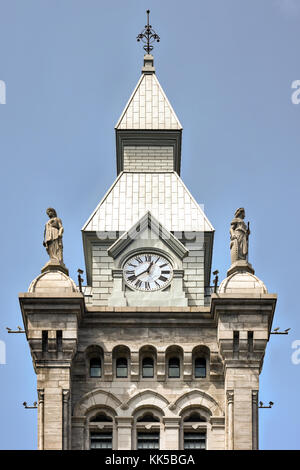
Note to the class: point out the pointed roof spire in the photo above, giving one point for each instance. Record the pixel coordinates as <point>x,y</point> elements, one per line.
<point>148,111</point>
<point>148,107</point>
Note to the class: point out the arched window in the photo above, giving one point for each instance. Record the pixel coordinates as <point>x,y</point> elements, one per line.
<point>148,367</point>
<point>200,368</point>
<point>121,368</point>
<point>174,368</point>
<point>148,418</point>
<point>193,429</point>
<point>147,429</point>
<point>101,429</point>
<point>101,417</point>
<point>95,367</point>
<point>194,417</point>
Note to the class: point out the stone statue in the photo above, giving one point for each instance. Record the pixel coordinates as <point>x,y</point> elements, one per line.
<point>239,234</point>
<point>53,237</point>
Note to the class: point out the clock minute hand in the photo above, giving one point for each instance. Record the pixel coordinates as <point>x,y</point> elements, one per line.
<point>146,270</point>
<point>143,272</point>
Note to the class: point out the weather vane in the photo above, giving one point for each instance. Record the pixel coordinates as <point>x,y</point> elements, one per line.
<point>148,36</point>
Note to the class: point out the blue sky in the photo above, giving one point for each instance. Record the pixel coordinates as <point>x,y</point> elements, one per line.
<point>227,68</point>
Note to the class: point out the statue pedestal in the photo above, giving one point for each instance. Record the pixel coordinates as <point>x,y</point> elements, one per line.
<point>240,265</point>
<point>55,266</point>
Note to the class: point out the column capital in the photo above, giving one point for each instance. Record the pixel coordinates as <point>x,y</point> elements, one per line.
<point>230,396</point>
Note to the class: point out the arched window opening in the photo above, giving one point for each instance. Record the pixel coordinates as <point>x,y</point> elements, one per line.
<point>101,417</point>
<point>148,367</point>
<point>194,417</point>
<point>121,367</point>
<point>148,418</point>
<point>95,367</point>
<point>200,368</point>
<point>174,368</point>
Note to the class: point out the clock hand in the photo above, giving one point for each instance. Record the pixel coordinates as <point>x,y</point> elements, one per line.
<point>150,266</point>
<point>143,272</point>
<point>146,270</point>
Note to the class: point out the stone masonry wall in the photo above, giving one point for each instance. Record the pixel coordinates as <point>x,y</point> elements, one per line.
<point>148,158</point>
<point>193,282</point>
<point>102,281</point>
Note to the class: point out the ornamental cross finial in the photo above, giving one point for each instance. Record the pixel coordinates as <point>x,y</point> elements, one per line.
<point>148,36</point>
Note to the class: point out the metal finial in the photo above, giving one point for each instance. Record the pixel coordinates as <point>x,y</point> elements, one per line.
<point>148,36</point>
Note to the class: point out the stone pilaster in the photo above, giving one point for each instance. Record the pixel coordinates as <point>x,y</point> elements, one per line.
<point>124,432</point>
<point>170,439</point>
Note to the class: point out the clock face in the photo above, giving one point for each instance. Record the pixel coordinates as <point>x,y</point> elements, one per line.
<point>147,272</point>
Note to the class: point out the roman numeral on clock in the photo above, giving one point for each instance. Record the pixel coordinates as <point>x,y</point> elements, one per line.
<point>138,283</point>
<point>138,259</point>
<point>163,278</point>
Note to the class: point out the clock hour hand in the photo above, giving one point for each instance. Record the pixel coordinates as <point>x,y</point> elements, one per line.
<point>149,267</point>
<point>146,270</point>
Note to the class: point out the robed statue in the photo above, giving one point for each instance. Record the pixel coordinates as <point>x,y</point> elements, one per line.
<point>239,234</point>
<point>53,237</point>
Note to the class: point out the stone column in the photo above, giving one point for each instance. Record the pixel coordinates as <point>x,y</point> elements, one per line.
<point>170,438</point>
<point>230,420</point>
<point>66,399</point>
<point>40,419</point>
<point>255,419</point>
<point>124,431</point>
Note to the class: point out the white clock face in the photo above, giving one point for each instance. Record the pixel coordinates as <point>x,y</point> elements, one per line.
<point>147,272</point>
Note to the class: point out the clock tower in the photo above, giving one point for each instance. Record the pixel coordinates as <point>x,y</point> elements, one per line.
<point>147,355</point>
